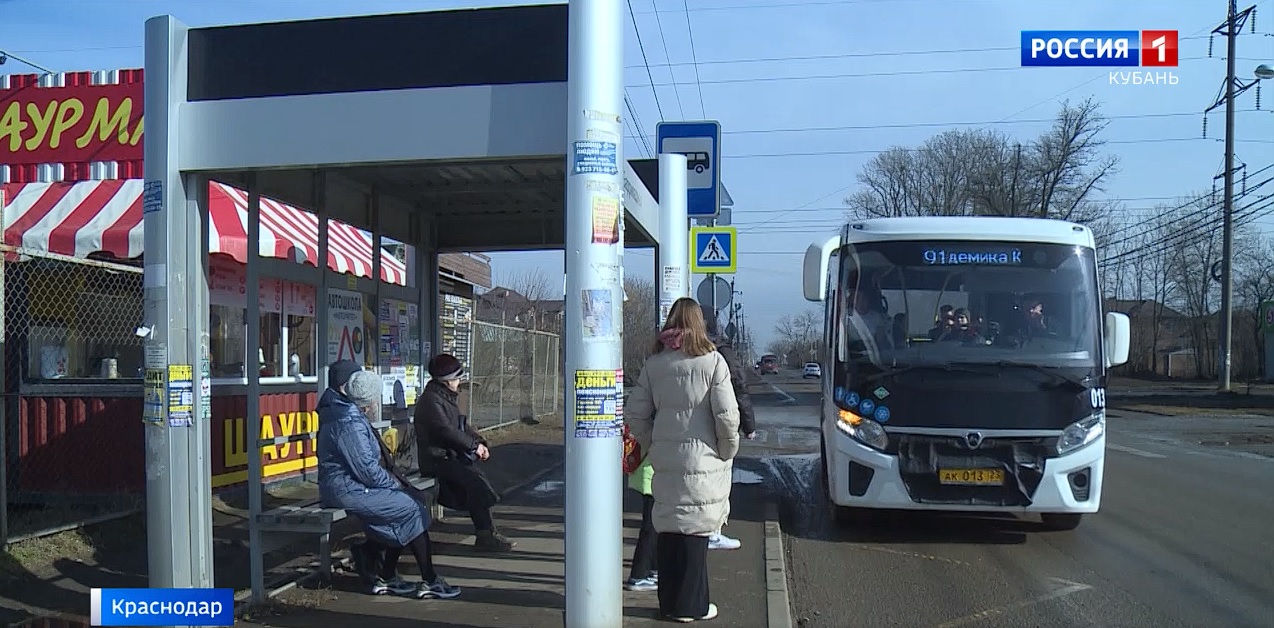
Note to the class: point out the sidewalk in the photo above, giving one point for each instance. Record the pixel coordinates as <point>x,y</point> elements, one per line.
<point>524,588</point>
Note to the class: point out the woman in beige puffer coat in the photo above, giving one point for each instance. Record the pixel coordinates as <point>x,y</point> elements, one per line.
<point>683,412</point>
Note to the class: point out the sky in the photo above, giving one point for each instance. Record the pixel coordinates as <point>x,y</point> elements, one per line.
<point>806,92</point>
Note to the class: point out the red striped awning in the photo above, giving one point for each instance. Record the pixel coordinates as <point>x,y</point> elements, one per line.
<point>77,219</point>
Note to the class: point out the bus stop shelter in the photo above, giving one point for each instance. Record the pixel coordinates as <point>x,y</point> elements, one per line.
<point>446,131</point>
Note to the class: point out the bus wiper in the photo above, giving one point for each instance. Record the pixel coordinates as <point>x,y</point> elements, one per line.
<point>913,367</point>
<point>1061,378</point>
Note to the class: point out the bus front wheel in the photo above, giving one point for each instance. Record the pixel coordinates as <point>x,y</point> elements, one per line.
<point>1061,521</point>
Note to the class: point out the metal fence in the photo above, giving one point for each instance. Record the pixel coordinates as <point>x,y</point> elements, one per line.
<point>516,375</point>
<point>72,442</point>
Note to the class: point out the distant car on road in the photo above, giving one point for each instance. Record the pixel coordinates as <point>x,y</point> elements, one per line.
<point>812,369</point>
<point>769,364</point>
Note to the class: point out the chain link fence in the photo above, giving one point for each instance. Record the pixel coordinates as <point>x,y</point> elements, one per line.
<point>73,365</point>
<point>516,375</point>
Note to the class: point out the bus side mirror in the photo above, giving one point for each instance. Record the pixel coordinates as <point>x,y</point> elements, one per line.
<point>814,270</point>
<point>1116,338</point>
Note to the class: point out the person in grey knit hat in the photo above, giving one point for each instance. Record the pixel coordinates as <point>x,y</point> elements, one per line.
<point>364,389</point>
<point>357,473</point>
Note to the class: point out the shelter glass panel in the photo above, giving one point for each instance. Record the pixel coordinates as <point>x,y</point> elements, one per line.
<point>287,325</point>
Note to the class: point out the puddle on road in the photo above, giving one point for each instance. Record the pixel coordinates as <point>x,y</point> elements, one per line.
<point>798,473</point>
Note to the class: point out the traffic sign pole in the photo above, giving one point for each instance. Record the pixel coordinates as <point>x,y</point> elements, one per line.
<point>674,233</point>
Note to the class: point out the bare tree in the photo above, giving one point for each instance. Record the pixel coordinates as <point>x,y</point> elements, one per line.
<point>530,316</point>
<point>534,286</point>
<point>1068,166</point>
<point>1195,245</point>
<point>1154,278</point>
<point>641,317</point>
<point>976,171</point>
<point>799,336</point>
<point>1253,285</point>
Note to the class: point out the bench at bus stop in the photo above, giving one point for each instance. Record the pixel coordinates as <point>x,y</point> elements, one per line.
<point>281,526</point>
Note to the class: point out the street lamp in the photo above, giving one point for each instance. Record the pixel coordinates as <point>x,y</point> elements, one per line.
<point>1263,71</point>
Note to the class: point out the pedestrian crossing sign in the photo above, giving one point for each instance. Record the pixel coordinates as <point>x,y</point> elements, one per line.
<point>714,250</point>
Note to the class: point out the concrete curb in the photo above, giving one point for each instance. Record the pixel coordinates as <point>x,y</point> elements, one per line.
<point>778,603</point>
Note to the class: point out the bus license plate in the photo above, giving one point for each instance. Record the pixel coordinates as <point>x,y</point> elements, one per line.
<point>971,477</point>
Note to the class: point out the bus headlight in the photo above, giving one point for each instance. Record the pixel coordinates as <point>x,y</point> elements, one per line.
<point>862,429</point>
<point>1081,433</point>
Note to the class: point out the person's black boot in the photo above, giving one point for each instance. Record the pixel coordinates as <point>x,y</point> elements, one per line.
<point>492,541</point>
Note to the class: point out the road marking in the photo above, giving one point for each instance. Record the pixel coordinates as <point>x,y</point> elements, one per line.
<point>895,552</point>
<point>1064,588</point>
<point>1134,451</point>
<point>779,391</point>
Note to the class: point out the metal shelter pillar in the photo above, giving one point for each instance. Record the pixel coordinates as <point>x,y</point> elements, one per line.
<point>594,504</point>
<point>252,370</point>
<point>673,272</point>
<point>175,329</point>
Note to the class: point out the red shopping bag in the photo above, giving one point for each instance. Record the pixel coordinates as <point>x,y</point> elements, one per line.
<point>632,452</point>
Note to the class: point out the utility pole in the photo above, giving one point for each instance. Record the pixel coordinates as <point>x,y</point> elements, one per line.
<point>1233,87</point>
<point>594,480</point>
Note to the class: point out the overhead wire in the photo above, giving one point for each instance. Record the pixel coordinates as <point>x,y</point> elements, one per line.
<point>889,73</point>
<point>922,125</point>
<point>835,153</point>
<point>645,60</point>
<point>694,58</point>
<point>664,40</point>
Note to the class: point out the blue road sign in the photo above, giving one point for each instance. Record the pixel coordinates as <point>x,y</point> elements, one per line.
<point>715,250</point>
<point>700,142</point>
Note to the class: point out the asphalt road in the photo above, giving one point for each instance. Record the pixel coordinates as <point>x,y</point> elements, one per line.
<point>1185,537</point>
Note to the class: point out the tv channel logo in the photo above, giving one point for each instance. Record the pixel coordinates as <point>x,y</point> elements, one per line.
<point>1118,49</point>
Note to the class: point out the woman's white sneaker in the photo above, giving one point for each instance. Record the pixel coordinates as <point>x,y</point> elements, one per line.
<point>723,542</point>
<point>711,614</point>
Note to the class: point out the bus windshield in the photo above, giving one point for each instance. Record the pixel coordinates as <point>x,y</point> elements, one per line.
<point>943,303</point>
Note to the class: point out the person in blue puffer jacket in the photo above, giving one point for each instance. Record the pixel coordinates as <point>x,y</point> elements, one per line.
<point>355,472</point>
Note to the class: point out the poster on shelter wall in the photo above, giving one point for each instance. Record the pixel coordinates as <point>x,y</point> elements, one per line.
<point>398,351</point>
<point>345,332</point>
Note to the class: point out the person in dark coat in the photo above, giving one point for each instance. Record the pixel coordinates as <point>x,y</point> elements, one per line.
<point>747,415</point>
<point>355,473</point>
<point>448,449</point>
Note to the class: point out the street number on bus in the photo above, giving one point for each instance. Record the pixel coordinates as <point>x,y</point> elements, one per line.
<point>1098,397</point>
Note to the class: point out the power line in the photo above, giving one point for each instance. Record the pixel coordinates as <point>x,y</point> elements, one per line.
<point>921,125</point>
<point>835,153</point>
<point>867,55</point>
<point>694,58</point>
<point>833,57</point>
<point>792,5</point>
<point>645,61</point>
<point>1182,237</point>
<point>1196,35</point>
<point>664,40</point>
<point>1263,206</point>
<point>635,122</point>
<point>890,73</point>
